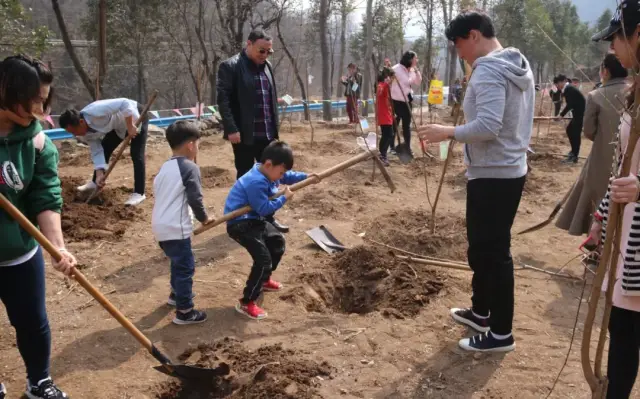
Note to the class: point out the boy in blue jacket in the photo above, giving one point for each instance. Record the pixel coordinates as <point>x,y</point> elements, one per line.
<point>263,241</point>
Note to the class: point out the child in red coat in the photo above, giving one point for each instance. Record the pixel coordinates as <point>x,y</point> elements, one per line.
<point>385,115</point>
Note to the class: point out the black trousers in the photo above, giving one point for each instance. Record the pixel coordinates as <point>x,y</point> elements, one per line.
<point>266,246</point>
<point>557,106</point>
<point>491,208</point>
<point>574,133</point>
<point>111,141</point>
<point>386,139</point>
<point>403,113</point>
<point>245,155</point>
<point>624,347</point>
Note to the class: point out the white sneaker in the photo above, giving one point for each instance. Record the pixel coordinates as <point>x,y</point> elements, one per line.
<point>3,391</point>
<point>135,199</point>
<point>89,187</point>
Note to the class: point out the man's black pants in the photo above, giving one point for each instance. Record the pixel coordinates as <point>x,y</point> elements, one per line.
<point>246,155</point>
<point>574,133</point>
<point>491,208</point>
<point>111,141</point>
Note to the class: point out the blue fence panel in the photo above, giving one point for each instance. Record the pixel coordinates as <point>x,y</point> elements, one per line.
<point>61,134</point>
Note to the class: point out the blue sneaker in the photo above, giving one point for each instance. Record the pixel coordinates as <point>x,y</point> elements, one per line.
<point>486,342</point>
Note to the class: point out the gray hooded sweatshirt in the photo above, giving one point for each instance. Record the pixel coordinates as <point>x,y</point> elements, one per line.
<point>498,107</point>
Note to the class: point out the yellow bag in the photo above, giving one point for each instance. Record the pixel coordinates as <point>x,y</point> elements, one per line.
<point>436,95</point>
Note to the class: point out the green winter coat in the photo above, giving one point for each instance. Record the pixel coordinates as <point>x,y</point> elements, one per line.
<point>29,180</point>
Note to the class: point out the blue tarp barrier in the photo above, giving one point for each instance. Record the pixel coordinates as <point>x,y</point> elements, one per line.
<point>61,134</point>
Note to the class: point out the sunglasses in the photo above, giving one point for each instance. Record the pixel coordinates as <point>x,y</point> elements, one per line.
<point>264,51</point>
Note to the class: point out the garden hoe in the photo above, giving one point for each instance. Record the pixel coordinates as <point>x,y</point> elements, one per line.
<point>196,374</point>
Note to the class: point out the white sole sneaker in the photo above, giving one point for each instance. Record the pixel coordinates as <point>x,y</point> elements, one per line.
<point>135,201</point>
<point>465,344</point>
<point>466,321</point>
<point>87,188</point>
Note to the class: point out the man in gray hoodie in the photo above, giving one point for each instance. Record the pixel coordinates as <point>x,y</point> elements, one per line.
<point>499,109</point>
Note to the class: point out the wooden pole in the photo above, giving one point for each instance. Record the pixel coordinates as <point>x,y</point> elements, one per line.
<point>295,187</point>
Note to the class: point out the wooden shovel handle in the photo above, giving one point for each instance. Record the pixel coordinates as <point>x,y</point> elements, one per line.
<point>79,277</point>
<point>126,142</point>
<point>295,187</point>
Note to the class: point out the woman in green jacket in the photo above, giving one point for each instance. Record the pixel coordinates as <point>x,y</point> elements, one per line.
<point>29,179</point>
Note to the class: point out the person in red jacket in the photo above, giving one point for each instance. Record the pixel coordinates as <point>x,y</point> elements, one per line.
<point>385,115</point>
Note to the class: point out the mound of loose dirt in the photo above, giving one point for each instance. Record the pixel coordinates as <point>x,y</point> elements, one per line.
<point>73,155</point>
<point>327,147</point>
<point>331,202</point>
<point>537,185</point>
<point>410,230</point>
<point>213,176</point>
<point>269,372</point>
<point>109,220</point>
<point>365,279</point>
<point>546,162</point>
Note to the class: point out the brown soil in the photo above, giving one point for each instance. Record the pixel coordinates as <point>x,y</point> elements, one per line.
<point>82,221</point>
<point>410,230</point>
<point>374,357</point>
<point>269,372</point>
<point>213,176</point>
<point>365,279</point>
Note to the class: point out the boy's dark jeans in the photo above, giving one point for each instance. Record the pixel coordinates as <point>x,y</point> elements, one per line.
<point>22,290</point>
<point>386,140</point>
<point>491,207</point>
<point>266,246</point>
<point>182,270</point>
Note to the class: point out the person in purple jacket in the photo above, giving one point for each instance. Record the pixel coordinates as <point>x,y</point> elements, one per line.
<point>262,240</point>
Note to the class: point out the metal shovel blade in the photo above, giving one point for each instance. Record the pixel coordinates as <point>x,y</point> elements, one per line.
<point>325,240</point>
<point>404,153</point>
<point>194,373</point>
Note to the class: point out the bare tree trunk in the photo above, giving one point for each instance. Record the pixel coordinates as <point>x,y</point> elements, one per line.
<point>343,45</point>
<point>213,79</point>
<point>429,40</point>
<point>368,53</point>
<point>296,71</point>
<point>142,83</point>
<point>71,51</point>
<point>453,64</point>
<point>102,36</point>
<point>324,51</point>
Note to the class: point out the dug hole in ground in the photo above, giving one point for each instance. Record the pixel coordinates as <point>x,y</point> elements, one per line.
<point>360,324</point>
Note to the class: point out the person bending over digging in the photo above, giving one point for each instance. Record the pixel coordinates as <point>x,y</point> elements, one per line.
<point>105,124</point>
<point>262,240</point>
<point>29,180</point>
<point>178,195</point>
<point>498,106</point>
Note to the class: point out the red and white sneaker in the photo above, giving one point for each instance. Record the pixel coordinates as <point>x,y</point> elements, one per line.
<point>251,310</point>
<point>271,286</point>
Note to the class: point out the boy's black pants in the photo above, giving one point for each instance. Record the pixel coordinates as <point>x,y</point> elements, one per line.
<point>266,246</point>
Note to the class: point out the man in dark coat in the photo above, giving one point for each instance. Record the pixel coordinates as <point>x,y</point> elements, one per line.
<point>247,101</point>
<point>576,104</point>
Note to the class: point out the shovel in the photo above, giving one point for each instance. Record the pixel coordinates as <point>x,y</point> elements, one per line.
<point>176,370</point>
<point>325,240</point>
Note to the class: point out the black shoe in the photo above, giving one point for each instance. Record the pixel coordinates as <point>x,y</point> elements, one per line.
<point>3,391</point>
<point>570,159</point>
<point>280,227</point>
<point>191,317</point>
<point>466,317</point>
<point>46,389</point>
<point>486,342</point>
<point>172,300</point>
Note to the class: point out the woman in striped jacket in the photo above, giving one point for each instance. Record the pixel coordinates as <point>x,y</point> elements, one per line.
<point>624,324</point>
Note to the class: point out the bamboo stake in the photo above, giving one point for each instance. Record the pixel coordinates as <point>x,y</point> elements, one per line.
<point>452,142</point>
<point>608,262</point>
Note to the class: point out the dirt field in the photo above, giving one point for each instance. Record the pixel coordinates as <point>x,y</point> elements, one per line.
<point>357,325</point>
